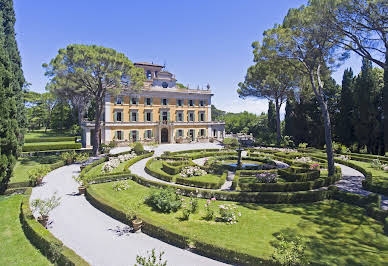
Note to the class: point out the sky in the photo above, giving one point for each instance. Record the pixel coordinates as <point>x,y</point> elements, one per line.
<point>201,42</point>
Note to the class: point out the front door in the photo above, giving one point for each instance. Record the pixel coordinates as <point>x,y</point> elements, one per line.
<point>164,135</point>
<point>191,134</point>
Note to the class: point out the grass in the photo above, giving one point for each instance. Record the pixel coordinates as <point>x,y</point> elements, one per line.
<point>23,165</point>
<point>335,233</point>
<point>157,166</point>
<point>15,249</point>
<point>42,134</point>
<point>97,170</point>
<point>379,176</point>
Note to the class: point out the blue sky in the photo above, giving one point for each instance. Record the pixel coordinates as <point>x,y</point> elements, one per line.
<point>200,41</point>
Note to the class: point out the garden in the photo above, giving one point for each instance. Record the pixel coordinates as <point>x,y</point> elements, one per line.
<point>330,226</point>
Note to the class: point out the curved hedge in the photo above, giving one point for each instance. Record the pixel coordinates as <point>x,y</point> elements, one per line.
<point>49,147</point>
<point>202,184</point>
<point>43,240</point>
<point>158,174</point>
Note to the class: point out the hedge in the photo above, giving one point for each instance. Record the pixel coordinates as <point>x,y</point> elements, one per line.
<point>43,240</point>
<point>90,166</point>
<point>202,184</point>
<point>291,176</point>
<point>161,175</point>
<point>48,147</point>
<point>171,169</point>
<point>160,232</point>
<point>51,139</point>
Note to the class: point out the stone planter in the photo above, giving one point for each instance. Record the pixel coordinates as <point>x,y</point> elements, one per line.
<point>81,190</point>
<point>43,220</point>
<point>137,224</point>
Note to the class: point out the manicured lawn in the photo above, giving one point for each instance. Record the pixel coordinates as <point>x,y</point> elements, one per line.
<point>156,165</point>
<point>15,249</point>
<point>23,165</point>
<point>378,175</point>
<point>42,134</point>
<point>243,162</point>
<point>335,233</point>
<point>97,170</point>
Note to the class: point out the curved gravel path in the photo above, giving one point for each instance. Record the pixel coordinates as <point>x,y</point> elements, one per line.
<point>352,182</point>
<point>98,238</point>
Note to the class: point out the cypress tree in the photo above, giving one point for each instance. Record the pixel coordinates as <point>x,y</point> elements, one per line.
<point>271,117</point>
<point>289,118</point>
<point>12,117</point>
<point>345,129</point>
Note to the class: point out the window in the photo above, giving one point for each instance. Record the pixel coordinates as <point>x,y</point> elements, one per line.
<point>164,84</point>
<point>164,101</point>
<point>179,116</point>
<point>180,133</point>
<point>214,132</point>
<point>134,135</point>
<point>165,116</point>
<point>134,100</point>
<point>191,117</point>
<point>119,100</point>
<point>202,132</point>
<point>119,135</point>
<point>149,75</point>
<point>156,74</point>
<point>148,134</point>
<point>179,102</point>
<point>201,103</point>
<point>148,117</point>
<point>191,102</point>
<point>134,116</point>
<point>202,116</point>
<point>148,101</point>
<point>119,116</point>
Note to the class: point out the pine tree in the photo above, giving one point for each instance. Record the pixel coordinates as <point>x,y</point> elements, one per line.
<point>12,118</point>
<point>271,117</point>
<point>345,129</point>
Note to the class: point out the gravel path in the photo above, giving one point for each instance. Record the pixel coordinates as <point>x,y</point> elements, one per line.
<point>98,238</point>
<point>352,182</point>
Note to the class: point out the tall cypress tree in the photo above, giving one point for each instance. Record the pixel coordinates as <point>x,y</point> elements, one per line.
<point>345,129</point>
<point>271,117</point>
<point>12,117</point>
<point>289,117</point>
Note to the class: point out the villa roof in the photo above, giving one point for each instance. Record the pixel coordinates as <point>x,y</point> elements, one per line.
<point>147,64</point>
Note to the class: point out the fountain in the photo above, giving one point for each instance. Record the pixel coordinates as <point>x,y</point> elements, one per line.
<point>239,151</point>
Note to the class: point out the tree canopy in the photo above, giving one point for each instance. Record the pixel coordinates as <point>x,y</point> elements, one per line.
<point>94,71</point>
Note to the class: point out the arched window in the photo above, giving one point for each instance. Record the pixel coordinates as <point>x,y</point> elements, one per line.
<point>164,84</point>
<point>149,75</point>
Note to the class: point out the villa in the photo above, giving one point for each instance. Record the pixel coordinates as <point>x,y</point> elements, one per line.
<point>162,112</point>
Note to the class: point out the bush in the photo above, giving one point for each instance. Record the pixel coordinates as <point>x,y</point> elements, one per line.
<point>138,148</point>
<point>230,142</point>
<point>52,147</point>
<point>290,251</point>
<point>51,139</point>
<point>302,145</point>
<point>38,172</point>
<point>165,200</point>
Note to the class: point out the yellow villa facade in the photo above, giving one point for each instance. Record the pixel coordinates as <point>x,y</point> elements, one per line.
<point>161,112</point>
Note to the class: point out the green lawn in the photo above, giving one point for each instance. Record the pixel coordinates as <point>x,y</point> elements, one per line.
<point>23,165</point>
<point>378,175</point>
<point>336,233</point>
<point>15,249</point>
<point>97,170</point>
<point>157,166</point>
<point>42,134</point>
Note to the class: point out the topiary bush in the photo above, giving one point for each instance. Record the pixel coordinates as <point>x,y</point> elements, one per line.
<point>138,148</point>
<point>164,200</point>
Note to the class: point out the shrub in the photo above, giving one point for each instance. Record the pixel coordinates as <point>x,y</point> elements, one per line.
<point>52,147</point>
<point>230,142</point>
<point>68,157</point>
<point>38,172</point>
<point>151,259</point>
<point>120,185</point>
<point>228,213</point>
<point>50,139</point>
<point>209,209</point>
<point>44,207</point>
<point>266,177</point>
<point>290,251</point>
<point>302,145</point>
<point>75,130</point>
<point>164,200</point>
<point>190,171</point>
<point>138,148</point>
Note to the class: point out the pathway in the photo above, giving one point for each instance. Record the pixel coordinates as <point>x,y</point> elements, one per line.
<point>352,182</point>
<point>98,238</point>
